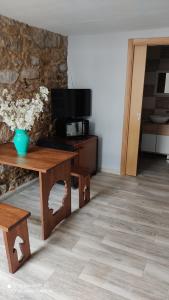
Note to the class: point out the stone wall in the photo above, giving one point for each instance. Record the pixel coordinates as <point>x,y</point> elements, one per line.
<point>29,57</point>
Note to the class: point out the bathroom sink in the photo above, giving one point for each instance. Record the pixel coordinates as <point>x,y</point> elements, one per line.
<point>159,119</point>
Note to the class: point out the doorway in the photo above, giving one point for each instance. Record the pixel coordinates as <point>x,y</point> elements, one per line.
<point>136,67</point>
<point>153,152</point>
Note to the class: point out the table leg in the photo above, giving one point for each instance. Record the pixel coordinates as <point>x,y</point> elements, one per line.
<point>47,181</point>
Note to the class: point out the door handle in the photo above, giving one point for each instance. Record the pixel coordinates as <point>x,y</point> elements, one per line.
<point>138,116</point>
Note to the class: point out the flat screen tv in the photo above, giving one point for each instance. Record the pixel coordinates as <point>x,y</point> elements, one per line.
<point>70,103</point>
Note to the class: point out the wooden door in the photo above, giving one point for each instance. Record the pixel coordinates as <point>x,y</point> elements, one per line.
<point>135,108</point>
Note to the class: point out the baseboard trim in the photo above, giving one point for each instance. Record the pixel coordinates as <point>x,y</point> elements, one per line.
<point>18,189</point>
<point>110,171</point>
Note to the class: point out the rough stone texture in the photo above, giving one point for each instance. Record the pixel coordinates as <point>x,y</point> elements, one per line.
<point>29,73</point>
<point>34,60</point>
<point>30,57</point>
<point>8,76</point>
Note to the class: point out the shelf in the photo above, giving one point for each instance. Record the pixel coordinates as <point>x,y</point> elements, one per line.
<point>152,128</point>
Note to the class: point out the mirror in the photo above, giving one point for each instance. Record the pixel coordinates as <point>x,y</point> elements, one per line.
<point>162,83</point>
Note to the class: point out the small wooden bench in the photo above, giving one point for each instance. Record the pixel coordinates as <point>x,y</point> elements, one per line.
<point>84,185</point>
<point>13,222</point>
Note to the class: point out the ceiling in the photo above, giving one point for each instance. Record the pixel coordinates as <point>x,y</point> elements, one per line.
<point>89,16</point>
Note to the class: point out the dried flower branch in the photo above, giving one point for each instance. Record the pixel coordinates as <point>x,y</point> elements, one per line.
<point>22,113</point>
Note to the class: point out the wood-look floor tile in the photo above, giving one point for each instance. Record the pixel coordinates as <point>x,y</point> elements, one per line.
<point>110,256</point>
<point>126,285</point>
<point>139,246</point>
<point>157,273</point>
<point>152,232</point>
<point>76,288</point>
<point>115,248</point>
<point>138,215</point>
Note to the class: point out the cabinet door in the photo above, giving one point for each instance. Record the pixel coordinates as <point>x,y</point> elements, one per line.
<point>162,144</point>
<point>148,142</point>
<point>88,155</point>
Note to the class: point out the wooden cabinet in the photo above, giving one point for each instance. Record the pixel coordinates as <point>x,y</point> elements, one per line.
<point>162,144</point>
<point>88,155</point>
<point>86,148</point>
<point>155,143</point>
<point>152,128</point>
<point>148,142</point>
<point>155,138</point>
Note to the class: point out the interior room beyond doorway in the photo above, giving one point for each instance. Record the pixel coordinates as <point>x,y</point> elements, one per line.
<point>154,134</point>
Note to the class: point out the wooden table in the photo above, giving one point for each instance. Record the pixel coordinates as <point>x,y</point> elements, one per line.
<point>52,165</point>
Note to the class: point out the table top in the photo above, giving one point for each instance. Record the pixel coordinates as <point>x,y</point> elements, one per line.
<point>38,158</point>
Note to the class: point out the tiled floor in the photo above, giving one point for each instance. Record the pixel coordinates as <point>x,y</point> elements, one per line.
<point>116,247</point>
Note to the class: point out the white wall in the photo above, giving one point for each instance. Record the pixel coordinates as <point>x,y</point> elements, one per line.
<point>99,62</point>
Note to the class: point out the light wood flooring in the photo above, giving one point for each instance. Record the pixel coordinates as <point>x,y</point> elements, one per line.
<point>116,247</point>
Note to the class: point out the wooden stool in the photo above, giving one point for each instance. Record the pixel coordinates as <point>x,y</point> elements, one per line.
<point>13,222</point>
<point>84,185</point>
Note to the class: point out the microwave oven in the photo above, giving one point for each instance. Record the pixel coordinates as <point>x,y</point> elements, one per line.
<point>72,128</point>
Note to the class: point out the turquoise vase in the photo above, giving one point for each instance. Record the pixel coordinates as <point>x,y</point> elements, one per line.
<point>21,141</point>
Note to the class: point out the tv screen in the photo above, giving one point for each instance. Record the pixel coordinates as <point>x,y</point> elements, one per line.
<point>70,103</point>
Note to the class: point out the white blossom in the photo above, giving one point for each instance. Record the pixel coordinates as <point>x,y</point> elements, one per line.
<point>22,113</point>
<point>4,92</point>
<point>43,90</point>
